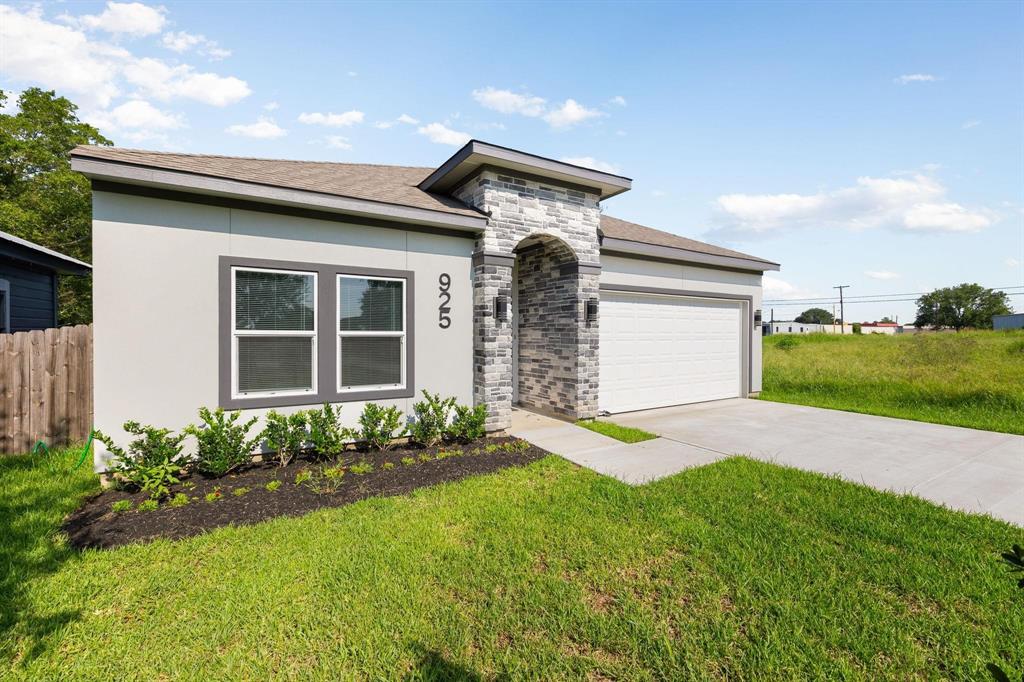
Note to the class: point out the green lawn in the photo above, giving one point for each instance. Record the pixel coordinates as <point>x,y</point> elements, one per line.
<point>735,570</point>
<point>972,379</point>
<point>627,434</point>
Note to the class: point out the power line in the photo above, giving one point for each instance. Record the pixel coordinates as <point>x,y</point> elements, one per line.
<point>784,304</point>
<point>869,297</point>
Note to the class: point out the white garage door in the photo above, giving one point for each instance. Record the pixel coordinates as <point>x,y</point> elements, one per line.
<point>668,350</point>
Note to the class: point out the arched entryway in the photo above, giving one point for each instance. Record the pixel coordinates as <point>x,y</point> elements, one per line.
<point>553,341</point>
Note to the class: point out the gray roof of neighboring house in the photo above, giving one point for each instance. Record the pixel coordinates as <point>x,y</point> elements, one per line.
<point>394,185</point>
<point>23,249</point>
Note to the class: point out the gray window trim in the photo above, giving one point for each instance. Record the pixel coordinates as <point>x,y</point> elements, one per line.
<point>5,289</point>
<point>326,335</point>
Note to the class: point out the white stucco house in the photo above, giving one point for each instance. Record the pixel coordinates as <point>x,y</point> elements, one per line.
<point>495,277</point>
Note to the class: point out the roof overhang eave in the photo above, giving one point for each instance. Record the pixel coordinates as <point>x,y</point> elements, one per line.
<point>465,163</point>
<point>626,247</point>
<point>147,176</point>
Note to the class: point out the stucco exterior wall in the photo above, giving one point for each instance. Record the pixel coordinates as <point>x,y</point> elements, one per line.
<point>684,277</point>
<point>156,301</point>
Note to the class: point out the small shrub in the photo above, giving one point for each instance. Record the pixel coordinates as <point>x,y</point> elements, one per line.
<point>326,433</point>
<point>213,495</point>
<point>121,506</point>
<point>271,486</point>
<point>1016,348</point>
<point>285,435</point>
<point>224,443</point>
<point>361,468</point>
<point>179,500</point>
<point>426,457</point>
<point>787,343</point>
<point>238,492</point>
<point>468,423</point>
<point>408,461</point>
<point>303,476</point>
<point>430,419</point>
<point>152,462</point>
<point>378,426</point>
<point>857,328</point>
<point>491,448</point>
<point>148,505</point>
<point>388,466</point>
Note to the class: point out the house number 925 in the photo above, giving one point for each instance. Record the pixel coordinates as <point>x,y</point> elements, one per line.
<point>443,318</point>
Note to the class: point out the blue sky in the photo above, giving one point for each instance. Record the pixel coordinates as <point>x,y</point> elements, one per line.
<point>875,145</point>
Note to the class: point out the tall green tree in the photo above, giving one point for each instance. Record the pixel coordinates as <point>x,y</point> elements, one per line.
<point>41,198</point>
<point>965,305</point>
<point>815,316</point>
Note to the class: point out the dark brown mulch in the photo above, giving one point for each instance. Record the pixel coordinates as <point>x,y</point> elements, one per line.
<point>94,524</point>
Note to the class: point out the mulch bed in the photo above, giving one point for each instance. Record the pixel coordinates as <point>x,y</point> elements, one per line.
<point>95,524</point>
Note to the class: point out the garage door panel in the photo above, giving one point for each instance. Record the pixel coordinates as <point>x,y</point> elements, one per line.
<point>660,350</point>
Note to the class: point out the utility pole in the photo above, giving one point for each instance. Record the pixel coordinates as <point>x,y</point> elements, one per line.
<point>842,313</point>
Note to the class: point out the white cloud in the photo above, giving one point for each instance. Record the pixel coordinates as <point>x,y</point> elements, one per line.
<point>973,123</point>
<point>778,289</point>
<point>908,78</point>
<point>338,142</point>
<point>59,57</point>
<point>157,79</point>
<point>1012,263</point>
<point>508,102</point>
<point>569,114</point>
<point>618,101</point>
<point>182,41</point>
<point>128,18</point>
<point>590,162</point>
<point>882,274</point>
<point>947,217</point>
<point>441,134</point>
<point>409,120</point>
<point>383,125</point>
<point>264,128</point>
<point>658,193</point>
<point>915,203</point>
<point>137,114</point>
<point>332,120</point>
<point>271,106</point>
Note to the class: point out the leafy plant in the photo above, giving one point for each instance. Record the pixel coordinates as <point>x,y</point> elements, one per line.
<point>179,500</point>
<point>223,441</point>
<point>388,466</point>
<point>379,426</point>
<point>408,461</point>
<point>213,495</point>
<point>148,505</point>
<point>787,343</point>
<point>361,468</point>
<point>468,423</point>
<point>152,462</point>
<point>303,476</point>
<point>426,457</point>
<point>430,419</point>
<point>326,433</point>
<point>286,435</point>
<point>271,486</point>
<point>121,506</point>
<point>238,492</point>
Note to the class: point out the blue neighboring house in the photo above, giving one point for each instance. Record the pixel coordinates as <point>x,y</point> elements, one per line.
<point>28,283</point>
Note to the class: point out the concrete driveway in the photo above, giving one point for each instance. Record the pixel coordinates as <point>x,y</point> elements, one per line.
<point>978,471</point>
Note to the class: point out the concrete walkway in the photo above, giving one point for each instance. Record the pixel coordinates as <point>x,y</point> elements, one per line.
<point>977,471</point>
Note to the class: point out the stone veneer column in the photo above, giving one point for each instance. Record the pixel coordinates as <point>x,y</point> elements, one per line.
<point>518,208</point>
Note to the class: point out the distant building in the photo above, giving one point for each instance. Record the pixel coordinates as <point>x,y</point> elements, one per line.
<point>880,328</point>
<point>28,283</point>
<point>789,327</point>
<point>1011,321</point>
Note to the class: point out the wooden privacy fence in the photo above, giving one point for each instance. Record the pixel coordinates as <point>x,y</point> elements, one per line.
<point>45,387</point>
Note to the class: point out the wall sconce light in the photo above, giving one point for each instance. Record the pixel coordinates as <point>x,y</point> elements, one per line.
<point>591,310</point>
<point>501,308</point>
<point>757,317</point>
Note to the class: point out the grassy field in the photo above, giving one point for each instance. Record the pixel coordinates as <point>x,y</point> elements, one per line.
<point>735,570</point>
<point>973,379</point>
<point>627,434</point>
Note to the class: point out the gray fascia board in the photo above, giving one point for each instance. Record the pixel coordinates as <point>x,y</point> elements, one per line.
<point>628,248</point>
<point>203,184</point>
<point>476,153</point>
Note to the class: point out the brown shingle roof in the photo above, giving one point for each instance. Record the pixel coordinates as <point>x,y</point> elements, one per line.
<point>385,184</point>
<point>622,229</point>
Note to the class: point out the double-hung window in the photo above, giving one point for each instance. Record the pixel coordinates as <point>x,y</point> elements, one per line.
<point>274,321</point>
<point>371,333</point>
